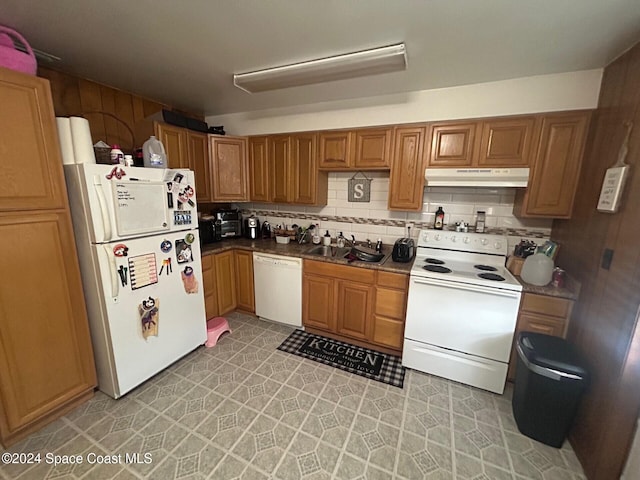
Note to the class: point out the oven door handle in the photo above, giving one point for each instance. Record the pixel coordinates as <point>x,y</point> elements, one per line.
<point>469,288</point>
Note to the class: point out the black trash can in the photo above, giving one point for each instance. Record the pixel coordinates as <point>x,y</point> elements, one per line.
<point>551,377</point>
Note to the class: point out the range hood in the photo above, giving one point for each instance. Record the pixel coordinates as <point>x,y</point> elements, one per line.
<point>476,177</point>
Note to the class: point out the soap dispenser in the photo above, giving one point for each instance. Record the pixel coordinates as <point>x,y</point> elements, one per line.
<point>340,240</point>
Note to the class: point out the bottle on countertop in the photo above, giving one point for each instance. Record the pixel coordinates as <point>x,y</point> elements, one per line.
<point>379,245</point>
<point>128,161</point>
<point>316,235</point>
<point>326,240</point>
<point>117,157</point>
<point>439,222</point>
<point>340,241</point>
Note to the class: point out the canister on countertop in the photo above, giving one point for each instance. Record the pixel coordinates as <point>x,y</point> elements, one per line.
<point>559,275</point>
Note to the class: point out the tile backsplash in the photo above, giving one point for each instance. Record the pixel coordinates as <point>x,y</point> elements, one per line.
<point>372,220</point>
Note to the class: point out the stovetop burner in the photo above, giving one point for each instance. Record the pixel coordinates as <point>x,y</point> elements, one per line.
<point>486,268</point>
<point>492,276</point>
<point>433,261</point>
<point>437,268</point>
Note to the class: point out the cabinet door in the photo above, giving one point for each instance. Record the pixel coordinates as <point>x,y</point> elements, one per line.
<point>29,150</point>
<point>46,359</point>
<point>198,148</point>
<point>304,169</point>
<point>406,184</point>
<point>336,149</point>
<point>556,167</point>
<point>280,158</point>
<point>174,140</point>
<point>244,280</point>
<point>209,286</point>
<point>506,143</point>
<point>259,171</point>
<point>229,167</point>
<point>452,144</point>
<point>373,148</point>
<point>318,310</point>
<point>225,281</point>
<point>388,332</point>
<point>354,309</point>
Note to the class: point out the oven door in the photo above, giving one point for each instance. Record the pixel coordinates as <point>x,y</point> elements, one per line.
<point>467,318</point>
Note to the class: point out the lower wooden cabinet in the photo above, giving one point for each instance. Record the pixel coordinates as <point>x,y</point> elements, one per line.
<point>540,314</point>
<point>245,293</point>
<point>352,303</point>
<point>228,282</point>
<point>46,359</point>
<point>209,286</point>
<point>390,309</point>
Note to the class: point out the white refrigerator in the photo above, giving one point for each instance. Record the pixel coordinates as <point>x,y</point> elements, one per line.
<point>137,238</point>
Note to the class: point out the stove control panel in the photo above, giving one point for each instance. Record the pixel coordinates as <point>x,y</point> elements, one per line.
<point>468,242</point>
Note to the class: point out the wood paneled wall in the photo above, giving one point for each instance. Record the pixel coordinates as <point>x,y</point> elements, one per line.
<point>76,96</point>
<point>605,321</point>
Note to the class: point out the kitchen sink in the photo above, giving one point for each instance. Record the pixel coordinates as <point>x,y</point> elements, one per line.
<point>328,251</point>
<point>344,253</point>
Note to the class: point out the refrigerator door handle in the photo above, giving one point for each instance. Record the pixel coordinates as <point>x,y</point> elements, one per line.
<point>104,212</point>
<point>111,259</point>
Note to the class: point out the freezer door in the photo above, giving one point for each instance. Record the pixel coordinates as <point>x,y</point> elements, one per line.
<point>128,202</point>
<point>154,307</point>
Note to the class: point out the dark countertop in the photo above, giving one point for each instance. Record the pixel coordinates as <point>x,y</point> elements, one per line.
<point>293,249</point>
<point>571,289</point>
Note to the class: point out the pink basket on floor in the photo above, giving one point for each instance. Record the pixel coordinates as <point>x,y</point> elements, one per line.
<point>12,58</point>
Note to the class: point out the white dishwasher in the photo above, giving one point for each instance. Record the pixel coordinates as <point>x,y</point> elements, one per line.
<point>278,288</point>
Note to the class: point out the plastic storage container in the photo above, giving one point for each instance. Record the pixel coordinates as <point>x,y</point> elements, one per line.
<point>537,269</point>
<point>153,153</point>
<point>551,377</point>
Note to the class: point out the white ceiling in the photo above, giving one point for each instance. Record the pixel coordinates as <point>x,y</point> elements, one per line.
<point>184,52</point>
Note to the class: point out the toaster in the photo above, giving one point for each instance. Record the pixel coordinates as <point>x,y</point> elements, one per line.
<point>403,250</point>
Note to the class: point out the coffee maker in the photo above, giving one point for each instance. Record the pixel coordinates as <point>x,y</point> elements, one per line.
<point>252,227</point>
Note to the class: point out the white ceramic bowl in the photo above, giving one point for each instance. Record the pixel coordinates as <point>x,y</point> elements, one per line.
<point>282,239</point>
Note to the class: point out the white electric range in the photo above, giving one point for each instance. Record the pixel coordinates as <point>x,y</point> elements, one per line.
<point>462,308</point>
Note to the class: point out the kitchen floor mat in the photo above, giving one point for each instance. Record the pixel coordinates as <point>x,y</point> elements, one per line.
<point>367,363</point>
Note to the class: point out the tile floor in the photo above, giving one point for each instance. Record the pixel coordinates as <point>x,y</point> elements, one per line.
<point>244,410</point>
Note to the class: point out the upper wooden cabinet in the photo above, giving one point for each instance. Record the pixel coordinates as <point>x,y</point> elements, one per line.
<point>556,167</point>
<point>506,142</point>
<point>500,142</point>
<point>259,171</point>
<point>360,149</point>
<point>452,144</point>
<point>406,182</point>
<point>188,149</point>
<point>293,170</point>
<point>198,155</point>
<point>336,149</point>
<point>31,162</point>
<point>229,168</point>
<point>174,140</point>
<point>280,168</point>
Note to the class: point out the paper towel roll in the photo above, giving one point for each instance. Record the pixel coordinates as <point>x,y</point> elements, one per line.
<point>82,144</point>
<point>66,143</point>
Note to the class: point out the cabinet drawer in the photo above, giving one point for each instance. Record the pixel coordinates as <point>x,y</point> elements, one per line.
<point>393,280</point>
<point>207,262</point>
<point>388,332</point>
<point>390,303</point>
<point>342,272</point>
<point>530,322</point>
<point>545,305</point>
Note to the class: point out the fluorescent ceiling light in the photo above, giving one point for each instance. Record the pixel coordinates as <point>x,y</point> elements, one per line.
<point>339,67</point>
